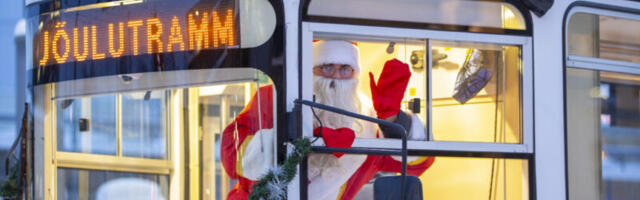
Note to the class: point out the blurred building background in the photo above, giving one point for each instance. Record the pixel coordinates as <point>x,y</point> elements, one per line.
<point>11,12</point>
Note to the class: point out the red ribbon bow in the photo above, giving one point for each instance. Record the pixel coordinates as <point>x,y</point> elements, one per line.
<point>336,138</point>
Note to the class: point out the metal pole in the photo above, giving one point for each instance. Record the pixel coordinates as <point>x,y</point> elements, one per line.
<point>371,119</point>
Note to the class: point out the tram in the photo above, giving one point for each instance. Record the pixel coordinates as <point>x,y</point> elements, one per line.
<point>130,99</point>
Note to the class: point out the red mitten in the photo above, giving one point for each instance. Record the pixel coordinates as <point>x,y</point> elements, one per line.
<point>336,138</point>
<point>388,93</point>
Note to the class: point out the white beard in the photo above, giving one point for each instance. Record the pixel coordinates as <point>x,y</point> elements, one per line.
<point>342,95</point>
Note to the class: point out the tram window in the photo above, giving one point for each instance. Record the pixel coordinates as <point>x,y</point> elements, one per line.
<point>603,156</point>
<point>475,88</point>
<point>475,92</point>
<point>476,178</point>
<point>466,13</point>
<point>76,184</point>
<point>143,124</point>
<point>87,125</point>
<point>599,36</point>
<point>602,108</point>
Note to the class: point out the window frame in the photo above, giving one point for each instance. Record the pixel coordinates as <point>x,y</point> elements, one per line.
<point>498,150</point>
<point>117,162</point>
<point>168,166</point>
<point>590,63</point>
<point>600,64</point>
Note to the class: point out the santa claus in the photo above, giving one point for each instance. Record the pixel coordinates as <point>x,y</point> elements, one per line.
<point>247,146</point>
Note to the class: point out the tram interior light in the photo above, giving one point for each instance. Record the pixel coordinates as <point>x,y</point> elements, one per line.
<point>417,59</point>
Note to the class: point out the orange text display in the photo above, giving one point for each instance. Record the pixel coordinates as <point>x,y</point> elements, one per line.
<point>196,31</point>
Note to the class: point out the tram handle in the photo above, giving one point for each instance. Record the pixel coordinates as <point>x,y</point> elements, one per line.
<point>402,151</point>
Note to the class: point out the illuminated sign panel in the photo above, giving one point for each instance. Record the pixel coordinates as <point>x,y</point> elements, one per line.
<point>132,30</point>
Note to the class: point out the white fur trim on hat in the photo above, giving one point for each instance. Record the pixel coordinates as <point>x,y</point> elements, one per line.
<point>336,52</point>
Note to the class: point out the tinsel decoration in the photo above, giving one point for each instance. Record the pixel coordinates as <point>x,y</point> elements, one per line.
<point>273,185</point>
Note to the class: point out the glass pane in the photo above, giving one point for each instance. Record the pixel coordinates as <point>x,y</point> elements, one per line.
<point>476,92</point>
<point>620,135</point>
<point>77,184</point>
<point>467,178</point>
<point>143,124</point>
<point>599,36</point>
<point>583,127</point>
<point>610,102</point>
<point>476,13</point>
<point>476,178</point>
<point>87,125</point>
<point>229,119</point>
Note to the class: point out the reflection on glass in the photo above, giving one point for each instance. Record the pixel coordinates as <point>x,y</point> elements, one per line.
<point>87,125</point>
<point>620,135</point>
<point>143,124</point>
<point>75,184</point>
<point>603,134</point>
<point>600,36</point>
<point>476,92</point>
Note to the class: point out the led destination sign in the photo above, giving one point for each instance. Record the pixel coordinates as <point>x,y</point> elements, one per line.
<point>66,40</point>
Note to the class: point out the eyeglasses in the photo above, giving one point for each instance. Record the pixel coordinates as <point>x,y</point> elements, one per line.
<point>329,70</point>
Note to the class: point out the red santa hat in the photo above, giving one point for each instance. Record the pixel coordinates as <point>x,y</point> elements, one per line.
<point>336,52</point>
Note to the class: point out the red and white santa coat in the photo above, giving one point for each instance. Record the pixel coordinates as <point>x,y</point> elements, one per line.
<point>244,160</point>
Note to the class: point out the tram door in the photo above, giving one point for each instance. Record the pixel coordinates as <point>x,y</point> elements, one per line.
<point>218,105</point>
<point>212,112</point>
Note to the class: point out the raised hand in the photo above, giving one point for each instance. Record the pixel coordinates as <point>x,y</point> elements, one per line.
<point>388,92</point>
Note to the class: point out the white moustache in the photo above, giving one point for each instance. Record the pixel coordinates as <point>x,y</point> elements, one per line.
<point>336,93</point>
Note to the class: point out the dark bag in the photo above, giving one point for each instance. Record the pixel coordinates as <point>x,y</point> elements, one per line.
<point>388,188</point>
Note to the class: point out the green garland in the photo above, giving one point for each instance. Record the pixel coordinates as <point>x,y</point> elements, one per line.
<point>9,188</point>
<point>273,184</point>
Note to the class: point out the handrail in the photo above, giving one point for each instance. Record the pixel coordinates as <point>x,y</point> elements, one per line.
<point>403,151</point>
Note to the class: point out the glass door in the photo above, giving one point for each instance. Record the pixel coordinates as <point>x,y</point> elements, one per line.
<point>218,105</point>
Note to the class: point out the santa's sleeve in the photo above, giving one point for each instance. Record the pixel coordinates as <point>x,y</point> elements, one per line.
<point>245,146</point>
<point>415,164</point>
<point>415,167</point>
